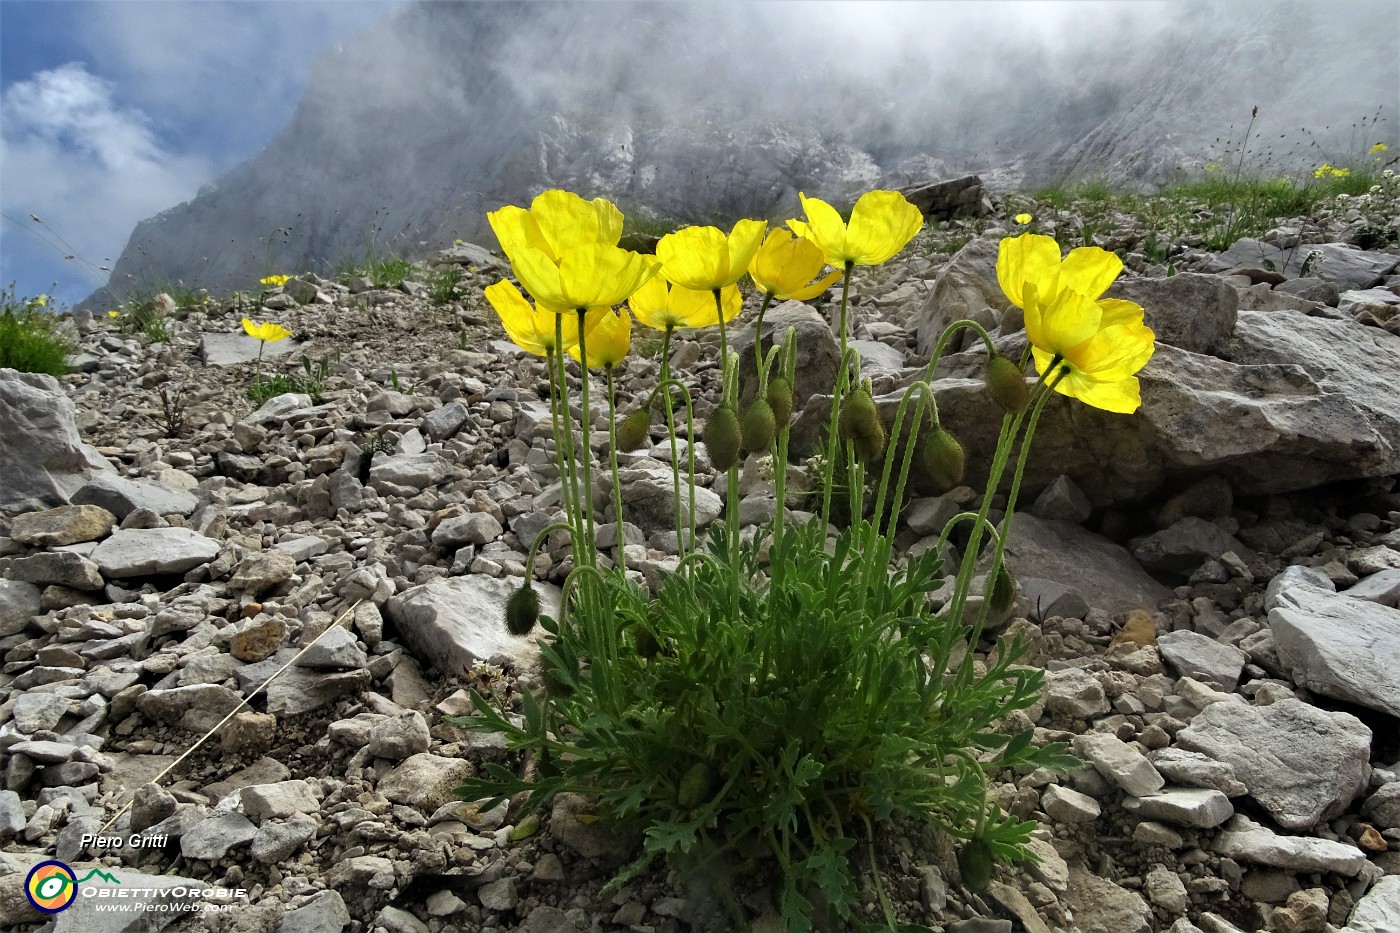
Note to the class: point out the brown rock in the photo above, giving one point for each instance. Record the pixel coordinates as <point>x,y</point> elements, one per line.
<point>1139,631</point>
<point>67,524</point>
<point>249,732</point>
<point>1372,841</point>
<point>260,640</point>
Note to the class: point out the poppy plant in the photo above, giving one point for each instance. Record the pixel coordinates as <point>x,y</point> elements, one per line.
<point>882,223</point>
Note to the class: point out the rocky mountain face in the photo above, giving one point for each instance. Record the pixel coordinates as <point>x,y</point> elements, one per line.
<point>707,112</point>
<point>1212,585</point>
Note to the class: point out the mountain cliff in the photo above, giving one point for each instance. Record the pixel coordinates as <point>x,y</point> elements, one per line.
<point>704,112</point>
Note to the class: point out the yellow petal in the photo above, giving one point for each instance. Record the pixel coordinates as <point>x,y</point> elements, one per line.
<point>1066,322</point>
<point>809,292</point>
<point>825,228</point>
<point>650,303</point>
<point>608,339</point>
<point>694,257</point>
<point>744,240</point>
<point>1089,270</point>
<point>697,309</point>
<point>538,273</point>
<point>517,317</point>
<point>1118,311</point>
<point>1028,257</point>
<point>516,230</point>
<point>882,224</point>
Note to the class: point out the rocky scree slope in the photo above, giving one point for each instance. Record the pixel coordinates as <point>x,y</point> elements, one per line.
<point>1220,638</point>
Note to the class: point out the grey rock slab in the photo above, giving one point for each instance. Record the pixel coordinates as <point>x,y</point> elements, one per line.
<point>236,348</point>
<point>1383,807</point>
<point>1074,693</point>
<point>336,649</point>
<point>1103,572</point>
<point>66,524</point>
<point>260,571</point>
<point>454,623</point>
<point>1202,657</point>
<point>212,838</point>
<point>278,801</point>
<point>1120,763</point>
<point>1382,587</point>
<point>1066,805</point>
<point>1101,905</point>
<point>964,287</point>
<point>43,751</point>
<point>477,528</point>
<point>43,458</point>
<point>11,813</point>
<point>324,913</point>
<point>1192,311</point>
<point>122,495</point>
<point>1302,764</point>
<point>649,498</point>
<point>425,781</point>
<point>1345,266</point>
<point>19,603</point>
<point>196,708</point>
<point>413,471</point>
<point>1247,841</point>
<point>400,736</point>
<point>1197,807</point>
<point>1062,501</point>
<point>1196,770</point>
<point>1337,646</point>
<point>441,423</point>
<point>34,711</point>
<point>276,841</point>
<point>1185,545</point>
<point>1378,910</point>
<point>141,552</point>
<point>587,836</point>
<point>818,352</point>
<point>877,358</point>
<point>155,901</point>
<point>57,568</point>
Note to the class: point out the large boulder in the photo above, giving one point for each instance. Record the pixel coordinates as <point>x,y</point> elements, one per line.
<point>1191,311</point>
<point>43,460</point>
<point>454,623</point>
<point>818,352</point>
<point>1103,572</point>
<point>1344,265</point>
<point>965,287</point>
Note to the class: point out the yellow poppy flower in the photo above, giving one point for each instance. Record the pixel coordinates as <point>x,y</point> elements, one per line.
<point>608,340</point>
<point>704,259</point>
<point>114,314</point>
<point>557,221</point>
<point>588,276</point>
<point>882,223</point>
<point>1024,218</point>
<point>660,305</point>
<point>267,332</point>
<point>785,266</point>
<point>531,328</point>
<point>1099,343</point>
<point>274,281</point>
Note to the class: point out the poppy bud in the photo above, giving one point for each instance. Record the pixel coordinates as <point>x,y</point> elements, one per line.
<point>1006,384</point>
<point>634,432</point>
<point>870,448</point>
<point>1002,592</point>
<point>694,786</point>
<point>975,862</point>
<point>759,424</point>
<point>944,459</point>
<point>647,645</point>
<point>722,437</point>
<point>780,400</point>
<point>522,610</point>
<point>859,416</point>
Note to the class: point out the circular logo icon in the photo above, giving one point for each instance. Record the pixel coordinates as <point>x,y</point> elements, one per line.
<point>51,887</point>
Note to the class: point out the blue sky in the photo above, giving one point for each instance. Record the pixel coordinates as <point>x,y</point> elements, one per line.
<point>113,111</point>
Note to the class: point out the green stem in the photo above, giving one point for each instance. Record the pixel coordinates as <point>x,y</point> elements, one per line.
<point>842,380</point>
<point>948,334</point>
<point>565,492</point>
<point>671,436</point>
<point>572,502</point>
<point>723,339</point>
<point>616,483</point>
<point>590,542</point>
<point>758,344</point>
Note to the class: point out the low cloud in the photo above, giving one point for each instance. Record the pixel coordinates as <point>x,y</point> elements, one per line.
<point>87,166</point>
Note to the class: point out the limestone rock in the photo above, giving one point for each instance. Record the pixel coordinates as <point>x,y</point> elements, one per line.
<point>1192,311</point>
<point>1187,544</point>
<point>57,568</point>
<point>817,349</point>
<point>1102,571</point>
<point>425,781</point>
<point>260,571</point>
<point>1120,763</point>
<point>67,524</point>
<point>19,602</point>
<point>122,495</point>
<point>1245,840</point>
<point>141,552</point>
<point>1199,808</point>
<point>1345,266</point>
<point>196,708</point>
<point>964,287</point>
<point>43,460</point>
<point>1100,906</point>
<point>454,623</point>
<point>234,348</point>
<point>1195,655</point>
<point>1302,764</point>
<point>1378,911</point>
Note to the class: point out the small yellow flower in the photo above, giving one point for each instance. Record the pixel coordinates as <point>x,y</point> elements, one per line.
<point>1095,344</point>
<point>267,332</point>
<point>114,314</point>
<point>1023,218</point>
<point>704,258</point>
<point>41,300</point>
<point>785,267</point>
<point>532,328</point>
<point>882,223</point>
<point>456,242</point>
<point>608,340</point>
<point>1213,167</point>
<point>659,305</point>
<point>274,281</point>
<point>1378,147</point>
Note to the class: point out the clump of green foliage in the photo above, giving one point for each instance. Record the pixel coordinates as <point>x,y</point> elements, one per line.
<point>445,284</point>
<point>31,340</point>
<point>312,382</point>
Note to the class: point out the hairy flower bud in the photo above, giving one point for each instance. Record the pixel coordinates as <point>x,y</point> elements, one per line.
<point>975,862</point>
<point>1007,384</point>
<point>634,432</point>
<point>944,459</point>
<point>522,610</point>
<point>1002,593</point>
<point>759,425</point>
<point>870,448</point>
<point>780,400</point>
<point>722,437</point>
<point>859,416</point>
<point>694,786</point>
